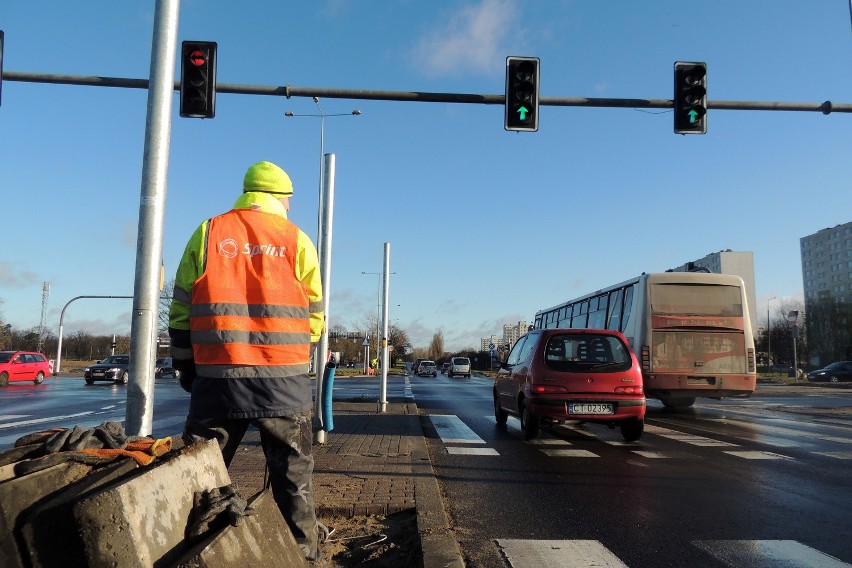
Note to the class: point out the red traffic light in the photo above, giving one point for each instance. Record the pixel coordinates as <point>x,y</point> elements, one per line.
<point>197,58</point>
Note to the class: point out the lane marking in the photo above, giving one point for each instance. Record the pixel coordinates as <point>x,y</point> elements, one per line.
<point>44,420</point>
<point>838,455</point>
<point>452,430</point>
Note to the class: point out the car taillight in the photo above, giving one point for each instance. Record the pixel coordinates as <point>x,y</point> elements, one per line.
<point>750,360</point>
<point>628,390</point>
<point>542,389</point>
<point>646,358</point>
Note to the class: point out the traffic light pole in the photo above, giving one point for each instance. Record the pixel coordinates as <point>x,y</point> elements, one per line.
<point>149,245</point>
<point>289,91</point>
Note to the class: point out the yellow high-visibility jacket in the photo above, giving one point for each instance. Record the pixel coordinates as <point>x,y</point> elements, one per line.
<point>245,389</point>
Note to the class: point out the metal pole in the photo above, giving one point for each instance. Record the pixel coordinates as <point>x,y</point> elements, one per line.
<point>149,248</point>
<point>327,199</point>
<point>57,365</point>
<point>383,401</point>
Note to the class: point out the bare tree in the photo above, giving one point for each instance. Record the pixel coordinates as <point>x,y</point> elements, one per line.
<point>164,307</point>
<point>436,348</point>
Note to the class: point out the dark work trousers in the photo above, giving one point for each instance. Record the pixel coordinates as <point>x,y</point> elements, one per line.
<point>286,442</point>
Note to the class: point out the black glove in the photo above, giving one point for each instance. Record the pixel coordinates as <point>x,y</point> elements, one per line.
<point>186,368</point>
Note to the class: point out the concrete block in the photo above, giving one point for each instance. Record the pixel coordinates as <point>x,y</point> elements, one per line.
<point>261,539</point>
<point>49,533</point>
<point>20,493</point>
<point>140,522</point>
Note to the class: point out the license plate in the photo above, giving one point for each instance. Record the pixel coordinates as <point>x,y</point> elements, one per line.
<point>590,408</point>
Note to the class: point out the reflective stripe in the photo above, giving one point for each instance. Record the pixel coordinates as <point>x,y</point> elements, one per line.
<point>180,352</point>
<point>316,307</point>
<point>182,295</point>
<point>248,371</point>
<point>213,336</point>
<point>249,310</point>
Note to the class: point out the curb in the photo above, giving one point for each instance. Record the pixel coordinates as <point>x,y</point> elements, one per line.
<point>437,542</point>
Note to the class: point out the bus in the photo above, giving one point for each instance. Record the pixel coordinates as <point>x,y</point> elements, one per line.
<point>690,331</point>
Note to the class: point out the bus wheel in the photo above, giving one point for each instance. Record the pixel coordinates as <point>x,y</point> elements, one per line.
<point>684,402</point>
<point>631,429</point>
<point>529,423</point>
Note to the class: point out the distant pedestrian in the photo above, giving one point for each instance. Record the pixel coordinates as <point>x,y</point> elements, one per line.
<point>247,308</point>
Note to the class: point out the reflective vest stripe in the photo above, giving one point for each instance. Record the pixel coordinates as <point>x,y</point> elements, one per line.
<point>284,356</point>
<point>265,338</point>
<point>249,372</point>
<point>235,323</point>
<point>248,310</point>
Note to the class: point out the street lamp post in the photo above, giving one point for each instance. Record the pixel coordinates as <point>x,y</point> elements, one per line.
<point>324,225</point>
<point>768,336</point>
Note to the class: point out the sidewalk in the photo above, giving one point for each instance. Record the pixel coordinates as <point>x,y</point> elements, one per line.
<point>372,465</point>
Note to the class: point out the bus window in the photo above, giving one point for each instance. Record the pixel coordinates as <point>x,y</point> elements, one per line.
<point>597,313</point>
<point>696,300</point>
<point>628,306</point>
<point>614,317</point>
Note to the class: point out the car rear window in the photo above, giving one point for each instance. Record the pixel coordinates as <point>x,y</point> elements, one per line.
<point>461,361</point>
<point>584,352</point>
<point>5,357</point>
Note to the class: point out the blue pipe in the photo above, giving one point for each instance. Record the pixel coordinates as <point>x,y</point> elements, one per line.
<point>327,387</point>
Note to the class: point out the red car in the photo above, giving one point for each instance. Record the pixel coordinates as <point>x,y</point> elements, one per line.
<point>557,375</point>
<point>23,366</point>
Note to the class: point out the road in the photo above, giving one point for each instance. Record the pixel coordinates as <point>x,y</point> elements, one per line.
<point>727,483</point>
<point>756,482</point>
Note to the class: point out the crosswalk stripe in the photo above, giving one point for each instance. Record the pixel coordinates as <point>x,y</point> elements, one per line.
<point>787,553</point>
<point>520,553</point>
<point>557,554</point>
<point>453,430</point>
<point>838,455</point>
<point>757,455</point>
<point>562,453</point>
<point>472,451</point>
<point>684,437</point>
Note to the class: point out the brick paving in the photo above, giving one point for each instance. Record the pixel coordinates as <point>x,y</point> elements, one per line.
<point>363,468</point>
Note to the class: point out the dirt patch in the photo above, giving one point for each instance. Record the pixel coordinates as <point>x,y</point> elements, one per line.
<point>380,541</point>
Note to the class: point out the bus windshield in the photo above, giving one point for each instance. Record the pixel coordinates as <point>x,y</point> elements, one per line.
<point>696,300</point>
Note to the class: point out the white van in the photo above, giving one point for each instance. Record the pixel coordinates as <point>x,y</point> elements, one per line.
<point>459,366</point>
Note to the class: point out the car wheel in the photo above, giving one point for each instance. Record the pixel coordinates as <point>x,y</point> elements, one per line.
<point>125,377</point>
<point>501,415</point>
<point>90,381</point>
<point>39,378</point>
<point>631,429</point>
<point>833,379</point>
<point>529,423</point>
<point>4,379</point>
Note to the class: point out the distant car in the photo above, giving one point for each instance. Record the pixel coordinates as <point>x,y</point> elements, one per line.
<point>834,373</point>
<point>558,375</point>
<point>445,367</point>
<point>114,368</point>
<point>163,369</point>
<point>416,365</point>
<point>459,366</point>
<point>23,366</point>
<point>427,369</point>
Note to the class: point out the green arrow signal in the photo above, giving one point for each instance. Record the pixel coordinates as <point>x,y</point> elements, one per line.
<point>693,116</point>
<point>522,112</point>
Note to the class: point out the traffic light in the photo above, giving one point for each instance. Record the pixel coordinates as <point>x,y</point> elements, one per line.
<point>690,98</point>
<point>198,79</point>
<point>521,102</point>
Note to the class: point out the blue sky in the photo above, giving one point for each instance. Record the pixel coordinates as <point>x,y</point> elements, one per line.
<point>486,226</point>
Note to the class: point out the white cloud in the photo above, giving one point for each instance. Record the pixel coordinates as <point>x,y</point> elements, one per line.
<point>469,42</point>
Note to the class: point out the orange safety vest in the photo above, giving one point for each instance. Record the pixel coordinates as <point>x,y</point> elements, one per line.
<point>250,315</point>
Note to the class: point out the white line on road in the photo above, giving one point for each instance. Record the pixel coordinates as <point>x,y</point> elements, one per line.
<point>757,553</point>
<point>473,451</point>
<point>557,554</point>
